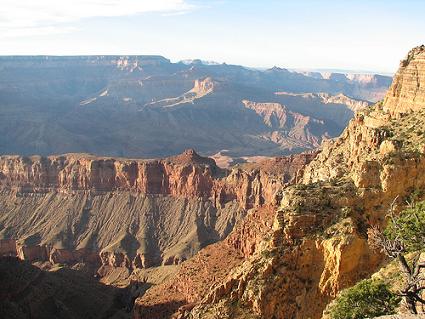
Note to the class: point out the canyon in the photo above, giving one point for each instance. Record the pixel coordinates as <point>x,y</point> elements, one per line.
<point>124,221</point>
<point>67,209</point>
<point>150,107</point>
<point>182,237</point>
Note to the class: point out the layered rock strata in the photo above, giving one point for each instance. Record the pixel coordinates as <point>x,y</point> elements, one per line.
<point>128,213</point>
<point>407,92</point>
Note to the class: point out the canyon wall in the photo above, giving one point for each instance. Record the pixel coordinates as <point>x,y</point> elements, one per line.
<point>407,92</point>
<point>185,175</point>
<point>128,213</point>
<point>149,107</point>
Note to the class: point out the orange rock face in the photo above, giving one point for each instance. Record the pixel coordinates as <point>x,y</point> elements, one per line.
<point>407,93</point>
<point>204,277</point>
<point>257,184</point>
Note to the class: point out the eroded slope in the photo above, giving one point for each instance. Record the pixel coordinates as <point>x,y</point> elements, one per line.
<point>127,213</point>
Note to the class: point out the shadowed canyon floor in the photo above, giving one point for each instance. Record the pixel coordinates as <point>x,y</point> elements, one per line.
<point>29,292</point>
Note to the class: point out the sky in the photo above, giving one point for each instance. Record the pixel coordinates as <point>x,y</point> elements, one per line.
<point>359,35</point>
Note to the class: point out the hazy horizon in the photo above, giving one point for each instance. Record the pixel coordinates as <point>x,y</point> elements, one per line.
<point>260,68</point>
<point>302,35</point>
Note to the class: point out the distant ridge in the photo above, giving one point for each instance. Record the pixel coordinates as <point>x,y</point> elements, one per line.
<point>147,106</point>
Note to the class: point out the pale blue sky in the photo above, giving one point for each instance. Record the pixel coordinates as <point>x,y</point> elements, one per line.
<point>346,34</point>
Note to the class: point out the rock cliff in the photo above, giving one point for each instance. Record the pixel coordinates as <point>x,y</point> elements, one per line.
<point>315,243</point>
<point>286,123</point>
<point>407,92</point>
<point>185,175</point>
<point>128,213</point>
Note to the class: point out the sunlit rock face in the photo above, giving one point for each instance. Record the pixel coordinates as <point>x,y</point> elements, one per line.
<point>407,93</point>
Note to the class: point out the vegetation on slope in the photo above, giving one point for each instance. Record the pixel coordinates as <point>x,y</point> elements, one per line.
<point>405,233</point>
<point>367,299</point>
<point>404,240</point>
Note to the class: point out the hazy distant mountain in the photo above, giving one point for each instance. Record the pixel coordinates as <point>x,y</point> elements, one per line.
<point>198,61</point>
<point>365,85</point>
<point>146,106</point>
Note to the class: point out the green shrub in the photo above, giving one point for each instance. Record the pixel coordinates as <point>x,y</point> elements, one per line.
<point>405,233</point>
<point>409,228</point>
<point>367,299</point>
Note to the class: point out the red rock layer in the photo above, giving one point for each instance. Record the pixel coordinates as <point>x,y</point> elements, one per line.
<point>35,252</point>
<point>187,175</point>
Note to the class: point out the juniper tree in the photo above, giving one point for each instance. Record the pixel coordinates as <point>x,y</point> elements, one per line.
<point>369,298</point>
<point>405,233</point>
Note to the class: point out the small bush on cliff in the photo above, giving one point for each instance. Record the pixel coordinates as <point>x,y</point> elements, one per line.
<point>408,228</point>
<point>367,299</point>
<point>405,234</point>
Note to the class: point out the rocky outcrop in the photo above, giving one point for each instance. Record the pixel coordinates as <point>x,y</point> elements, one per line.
<point>66,256</point>
<point>286,123</point>
<point>25,250</point>
<point>209,268</point>
<point>354,105</point>
<point>407,93</point>
<point>320,226</point>
<point>187,175</point>
<point>274,114</point>
<point>371,87</point>
<point>203,86</point>
<point>326,98</point>
<point>200,88</point>
<point>257,184</point>
<point>383,157</point>
<point>317,247</point>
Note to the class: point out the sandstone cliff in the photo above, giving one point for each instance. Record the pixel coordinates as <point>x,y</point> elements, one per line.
<point>407,93</point>
<point>288,124</point>
<point>317,243</point>
<point>185,175</point>
<point>128,213</point>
